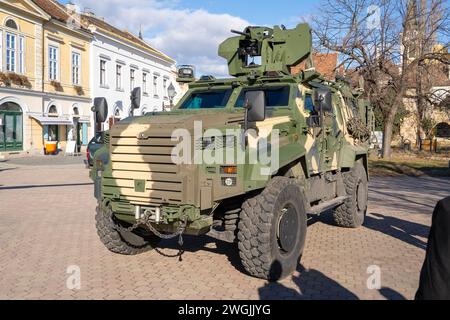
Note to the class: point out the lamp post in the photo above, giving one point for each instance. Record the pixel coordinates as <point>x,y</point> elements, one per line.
<point>171,93</point>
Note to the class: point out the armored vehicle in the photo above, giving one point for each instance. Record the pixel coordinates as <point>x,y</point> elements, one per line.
<point>283,146</point>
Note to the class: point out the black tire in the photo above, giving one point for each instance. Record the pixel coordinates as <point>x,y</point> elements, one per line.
<point>272,230</point>
<point>352,212</point>
<point>122,242</point>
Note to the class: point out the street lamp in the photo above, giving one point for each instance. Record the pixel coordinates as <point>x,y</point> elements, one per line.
<point>171,93</point>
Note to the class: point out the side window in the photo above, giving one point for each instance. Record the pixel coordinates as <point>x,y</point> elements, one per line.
<point>309,104</point>
<point>275,97</point>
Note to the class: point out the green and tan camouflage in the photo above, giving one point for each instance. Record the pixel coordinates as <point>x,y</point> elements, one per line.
<point>135,172</point>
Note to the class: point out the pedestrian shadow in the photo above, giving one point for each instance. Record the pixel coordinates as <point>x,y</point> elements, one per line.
<point>312,285</point>
<point>391,294</point>
<point>400,229</point>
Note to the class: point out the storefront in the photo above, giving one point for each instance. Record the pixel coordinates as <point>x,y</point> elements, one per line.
<point>11,127</point>
<point>54,132</point>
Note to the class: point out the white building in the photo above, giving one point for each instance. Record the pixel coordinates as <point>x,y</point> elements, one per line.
<point>120,62</point>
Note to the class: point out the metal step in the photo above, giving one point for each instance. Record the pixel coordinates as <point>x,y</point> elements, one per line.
<point>321,207</point>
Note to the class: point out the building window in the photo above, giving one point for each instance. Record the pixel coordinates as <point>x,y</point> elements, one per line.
<point>53,63</point>
<point>53,111</point>
<point>10,52</point>
<point>132,79</point>
<point>53,133</point>
<point>144,83</point>
<point>103,73</point>
<point>11,24</point>
<point>155,85</point>
<point>165,88</point>
<point>119,77</point>
<point>76,62</point>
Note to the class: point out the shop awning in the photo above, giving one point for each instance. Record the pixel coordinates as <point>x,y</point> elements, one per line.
<point>52,120</point>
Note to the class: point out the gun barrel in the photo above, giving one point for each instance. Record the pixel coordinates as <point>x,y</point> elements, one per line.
<point>239,32</point>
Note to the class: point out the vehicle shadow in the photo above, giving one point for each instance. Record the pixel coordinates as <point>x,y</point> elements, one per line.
<point>193,244</point>
<point>312,285</point>
<point>400,229</point>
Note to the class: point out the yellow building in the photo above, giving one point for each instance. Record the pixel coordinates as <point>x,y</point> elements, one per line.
<point>44,78</point>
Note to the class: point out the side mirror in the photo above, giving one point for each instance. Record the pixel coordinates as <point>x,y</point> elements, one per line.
<point>323,101</point>
<point>136,98</point>
<point>255,103</point>
<point>101,109</point>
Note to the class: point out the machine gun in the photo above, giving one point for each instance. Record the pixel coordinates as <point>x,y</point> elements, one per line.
<point>260,50</point>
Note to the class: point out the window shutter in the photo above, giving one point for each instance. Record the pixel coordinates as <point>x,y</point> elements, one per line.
<point>22,55</point>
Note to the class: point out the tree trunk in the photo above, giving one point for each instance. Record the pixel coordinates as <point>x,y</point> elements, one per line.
<point>387,137</point>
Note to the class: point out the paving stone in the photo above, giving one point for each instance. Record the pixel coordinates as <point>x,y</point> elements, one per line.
<point>47,224</point>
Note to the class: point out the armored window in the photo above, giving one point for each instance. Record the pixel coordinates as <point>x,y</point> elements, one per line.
<point>309,104</point>
<point>11,24</point>
<point>103,73</point>
<point>207,100</point>
<point>119,77</point>
<point>275,97</point>
<point>11,52</point>
<point>53,63</point>
<point>76,63</point>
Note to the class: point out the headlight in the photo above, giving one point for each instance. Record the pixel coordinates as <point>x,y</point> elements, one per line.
<point>99,165</point>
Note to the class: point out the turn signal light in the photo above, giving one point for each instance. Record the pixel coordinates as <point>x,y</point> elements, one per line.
<point>229,170</point>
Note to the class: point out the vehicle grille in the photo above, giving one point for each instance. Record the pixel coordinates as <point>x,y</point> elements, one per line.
<point>136,160</point>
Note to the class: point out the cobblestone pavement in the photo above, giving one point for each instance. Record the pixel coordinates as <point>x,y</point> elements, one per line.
<point>47,225</point>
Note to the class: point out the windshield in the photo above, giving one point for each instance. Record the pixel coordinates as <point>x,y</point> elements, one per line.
<point>207,99</point>
<point>275,97</point>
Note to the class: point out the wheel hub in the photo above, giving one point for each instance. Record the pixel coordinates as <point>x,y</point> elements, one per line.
<point>288,229</point>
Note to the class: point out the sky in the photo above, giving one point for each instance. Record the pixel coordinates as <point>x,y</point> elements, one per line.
<point>190,31</point>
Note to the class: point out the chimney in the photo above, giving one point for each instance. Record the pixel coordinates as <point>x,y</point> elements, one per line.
<point>71,8</point>
<point>140,33</point>
<point>88,12</point>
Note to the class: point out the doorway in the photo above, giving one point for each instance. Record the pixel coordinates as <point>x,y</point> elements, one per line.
<point>11,127</point>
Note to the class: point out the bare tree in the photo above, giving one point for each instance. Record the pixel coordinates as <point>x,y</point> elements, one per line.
<point>377,38</point>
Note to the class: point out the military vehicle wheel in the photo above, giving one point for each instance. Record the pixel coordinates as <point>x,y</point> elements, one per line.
<point>122,242</point>
<point>272,230</point>
<point>352,212</point>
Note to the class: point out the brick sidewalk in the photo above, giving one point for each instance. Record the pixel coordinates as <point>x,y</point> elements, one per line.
<point>47,225</point>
